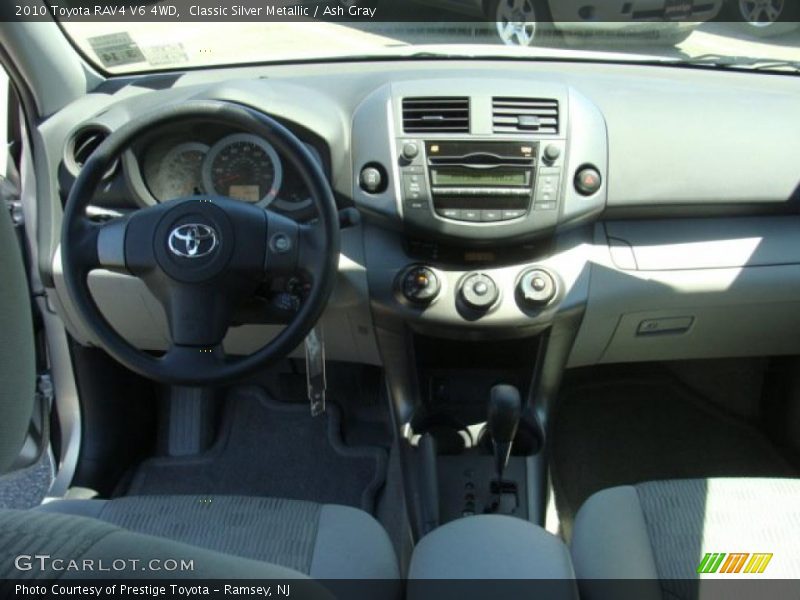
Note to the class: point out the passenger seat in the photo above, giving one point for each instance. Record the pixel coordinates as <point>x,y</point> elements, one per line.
<point>661,531</point>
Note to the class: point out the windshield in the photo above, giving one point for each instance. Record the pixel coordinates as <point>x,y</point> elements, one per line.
<point>156,35</point>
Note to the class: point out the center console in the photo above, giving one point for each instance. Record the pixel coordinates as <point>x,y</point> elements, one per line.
<point>491,548</point>
<point>473,196</point>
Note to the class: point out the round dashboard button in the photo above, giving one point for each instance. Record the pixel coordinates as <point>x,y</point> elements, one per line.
<point>552,152</point>
<point>280,243</point>
<point>410,150</point>
<point>588,181</point>
<point>371,180</point>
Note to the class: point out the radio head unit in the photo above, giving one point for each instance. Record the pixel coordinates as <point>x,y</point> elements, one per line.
<point>475,182</point>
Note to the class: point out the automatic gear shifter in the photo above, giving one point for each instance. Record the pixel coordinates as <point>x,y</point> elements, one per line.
<point>505,408</point>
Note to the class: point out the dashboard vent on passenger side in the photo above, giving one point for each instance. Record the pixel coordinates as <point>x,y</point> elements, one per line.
<point>524,115</point>
<point>436,114</point>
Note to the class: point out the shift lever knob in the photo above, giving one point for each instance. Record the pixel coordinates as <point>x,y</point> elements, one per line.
<point>505,408</point>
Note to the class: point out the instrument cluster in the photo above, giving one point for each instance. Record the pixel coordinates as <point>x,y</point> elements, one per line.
<point>237,165</point>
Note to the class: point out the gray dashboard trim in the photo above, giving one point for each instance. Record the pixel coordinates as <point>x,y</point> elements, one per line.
<point>733,300</point>
<point>677,244</point>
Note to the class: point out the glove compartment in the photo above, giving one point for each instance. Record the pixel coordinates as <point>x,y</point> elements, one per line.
<point>692,288</point>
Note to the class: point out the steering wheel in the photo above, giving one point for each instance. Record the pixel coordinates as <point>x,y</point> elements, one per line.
<point>201,256</point>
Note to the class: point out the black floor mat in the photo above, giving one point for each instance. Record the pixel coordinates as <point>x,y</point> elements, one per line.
<point>268,448</point>
<point>626,431</point>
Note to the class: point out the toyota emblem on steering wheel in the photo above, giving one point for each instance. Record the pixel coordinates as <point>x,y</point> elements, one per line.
<point>193,240</point>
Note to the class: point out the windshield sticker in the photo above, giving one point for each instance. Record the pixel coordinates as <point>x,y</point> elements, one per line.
<point>116,49</point>
<point>165,54</point>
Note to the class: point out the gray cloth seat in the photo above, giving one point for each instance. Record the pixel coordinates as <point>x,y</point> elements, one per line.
<point>323,541</point>
<point>41,545</point>
<point>659,532</point>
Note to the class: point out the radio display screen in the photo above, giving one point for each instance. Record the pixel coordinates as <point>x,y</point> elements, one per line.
<point>479,178</point>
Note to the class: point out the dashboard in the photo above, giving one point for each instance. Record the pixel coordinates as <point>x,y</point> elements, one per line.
<point>206,159</point>
<point>496,199</point>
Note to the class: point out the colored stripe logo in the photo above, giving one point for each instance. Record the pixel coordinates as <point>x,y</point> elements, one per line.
<point>734,562</point>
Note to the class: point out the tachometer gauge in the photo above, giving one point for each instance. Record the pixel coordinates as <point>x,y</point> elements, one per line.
<point>244,167</point>
<point>179,173</point>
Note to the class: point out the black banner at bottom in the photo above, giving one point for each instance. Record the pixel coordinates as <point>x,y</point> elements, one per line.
<point>727,588</point>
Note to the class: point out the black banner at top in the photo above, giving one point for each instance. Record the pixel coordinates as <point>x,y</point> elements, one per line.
<point>197,11</point>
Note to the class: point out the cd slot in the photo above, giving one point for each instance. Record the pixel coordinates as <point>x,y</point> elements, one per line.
<point>476,191</point>
<point>481,160</point>
<point>461,177</point>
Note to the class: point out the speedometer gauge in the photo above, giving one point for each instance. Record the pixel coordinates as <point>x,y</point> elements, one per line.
<point>178,174</point>
<point>244,167</point>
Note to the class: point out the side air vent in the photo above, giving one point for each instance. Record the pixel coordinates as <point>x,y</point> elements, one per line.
<point>82,145</point>
<point>436,114</point>
<point>524,115</point>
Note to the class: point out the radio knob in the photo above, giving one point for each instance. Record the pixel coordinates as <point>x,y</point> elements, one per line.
<point>410,150</point>
<point>536,288</point>
<point>552,152</point>
<point>479,291</point>
<point>420,285</point>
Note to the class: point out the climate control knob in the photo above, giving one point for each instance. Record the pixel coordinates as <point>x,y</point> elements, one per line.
<point>479,291</point>
<point>420,285</point>
<point>536,288</point>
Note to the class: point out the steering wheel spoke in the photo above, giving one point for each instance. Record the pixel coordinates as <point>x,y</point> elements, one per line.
<point>283,245</point>
<point>312,250</point>
<point>197,315</point>
<point>111,245</point>
<point>100,245</point>
<point>180,358</point>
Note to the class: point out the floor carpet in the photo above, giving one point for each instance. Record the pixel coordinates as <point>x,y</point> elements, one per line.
<point>268,448</point>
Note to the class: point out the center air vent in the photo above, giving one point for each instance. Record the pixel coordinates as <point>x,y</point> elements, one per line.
<point>436,114</point>
<point>82,145</point>
<point>524,115</point>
